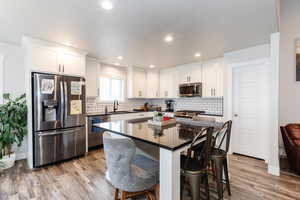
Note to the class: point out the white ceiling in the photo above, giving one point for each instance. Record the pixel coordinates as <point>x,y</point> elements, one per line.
<point>135,29</point>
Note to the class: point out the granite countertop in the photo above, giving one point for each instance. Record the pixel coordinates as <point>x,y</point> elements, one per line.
<point>170,137</point>
<point>111,113</point>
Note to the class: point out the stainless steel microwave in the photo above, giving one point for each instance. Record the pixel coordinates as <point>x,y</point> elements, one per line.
<point>190,90</point>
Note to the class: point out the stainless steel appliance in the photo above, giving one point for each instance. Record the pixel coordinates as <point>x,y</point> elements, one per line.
<point>58,118</point>
<point>187,113</point>
<point>169,105</point>
<point>95,134</point>
<point>190,90</point>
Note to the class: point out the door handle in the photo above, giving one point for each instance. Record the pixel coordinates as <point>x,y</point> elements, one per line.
<point>66,99</point>
<point>235,115</point>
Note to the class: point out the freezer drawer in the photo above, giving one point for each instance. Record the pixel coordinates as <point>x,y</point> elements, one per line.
<point>53,146</point>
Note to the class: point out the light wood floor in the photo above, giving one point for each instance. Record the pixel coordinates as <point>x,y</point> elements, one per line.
<point>84,178</point>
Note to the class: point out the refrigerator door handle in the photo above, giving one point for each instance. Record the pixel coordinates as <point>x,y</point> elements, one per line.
<point>62,102</point>
<point>66,99</point>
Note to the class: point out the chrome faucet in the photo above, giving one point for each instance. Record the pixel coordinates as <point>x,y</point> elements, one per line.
<point>116,104</point>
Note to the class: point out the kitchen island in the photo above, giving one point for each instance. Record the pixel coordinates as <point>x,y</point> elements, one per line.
<point>171,140</point>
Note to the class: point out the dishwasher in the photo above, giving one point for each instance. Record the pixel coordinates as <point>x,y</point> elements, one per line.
<point>95,134</point>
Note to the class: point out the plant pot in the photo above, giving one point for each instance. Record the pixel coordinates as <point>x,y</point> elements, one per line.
<point>7,161</point>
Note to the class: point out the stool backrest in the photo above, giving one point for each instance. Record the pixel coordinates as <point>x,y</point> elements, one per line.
<point>208,144</point>
<point>222,135</point>
<point>119,155</point>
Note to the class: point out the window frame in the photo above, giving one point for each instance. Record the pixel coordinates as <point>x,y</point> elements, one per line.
<point>1,78</point>
<point>123,98</point>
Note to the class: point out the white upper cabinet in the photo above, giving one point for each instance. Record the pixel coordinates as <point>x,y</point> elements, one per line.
<point>169,83</point>
<point>213,73</point>
<point>92,74</point>
<point>190,73</point>
<point>50,57</point>
<point>73,64</point>
<point>136,83</point>
<point>153,84</point>
<point>44,59</point>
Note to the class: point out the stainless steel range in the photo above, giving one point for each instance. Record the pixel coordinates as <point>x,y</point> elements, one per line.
<point>187,113</point>
<point>58,118</point>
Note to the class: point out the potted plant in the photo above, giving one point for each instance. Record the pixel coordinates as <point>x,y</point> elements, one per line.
<point>13,127</point>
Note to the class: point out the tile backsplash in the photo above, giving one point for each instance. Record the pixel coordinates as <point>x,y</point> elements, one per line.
<point>209,105</point>
<point>93,106</point>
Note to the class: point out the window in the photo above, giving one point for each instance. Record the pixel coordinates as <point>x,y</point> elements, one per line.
<point>1,79</point>
<point>111,89</point>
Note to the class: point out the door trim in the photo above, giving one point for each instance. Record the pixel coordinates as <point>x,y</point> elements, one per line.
<point>229,93</point>
<point>228,100</point>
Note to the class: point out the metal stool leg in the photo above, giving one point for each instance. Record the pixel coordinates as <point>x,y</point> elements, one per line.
<point>206,186</point>
<point>227,177</point>
<point>194,181</point>
<point>219,176</point>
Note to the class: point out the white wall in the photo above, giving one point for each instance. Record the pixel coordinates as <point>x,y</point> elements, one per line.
<point>1,78</point>
<point>261,52</point>
<point>289,111</point>
<point>14,78</point>
<point>236,57</point>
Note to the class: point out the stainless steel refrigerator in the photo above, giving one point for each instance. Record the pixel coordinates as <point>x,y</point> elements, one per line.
<point>58,118</point>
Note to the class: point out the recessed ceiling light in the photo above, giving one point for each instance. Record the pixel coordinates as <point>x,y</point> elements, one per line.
<point>117,63</point>
<point>107,4</point>
<point>120,57</point>
<point>169,38</point>
<point>152,66</point>
<point>197,54</point>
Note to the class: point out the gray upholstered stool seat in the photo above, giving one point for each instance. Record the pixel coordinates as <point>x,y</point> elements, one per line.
<point>127,170</point>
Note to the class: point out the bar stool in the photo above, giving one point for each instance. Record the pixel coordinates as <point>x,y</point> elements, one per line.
<point>219,158</point>
<point>196,170</point>
<point>129,173</point>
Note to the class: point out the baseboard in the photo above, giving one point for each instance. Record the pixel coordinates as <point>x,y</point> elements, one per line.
<point>274,170</point>
<point>21,156</point>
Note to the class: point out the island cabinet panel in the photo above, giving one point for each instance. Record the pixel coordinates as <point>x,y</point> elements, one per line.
<point>136,82</point>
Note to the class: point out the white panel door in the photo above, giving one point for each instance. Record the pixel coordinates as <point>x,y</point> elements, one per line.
<point>251,96</point>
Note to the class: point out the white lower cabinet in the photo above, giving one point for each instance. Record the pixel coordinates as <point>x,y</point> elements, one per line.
<point>131,116</point>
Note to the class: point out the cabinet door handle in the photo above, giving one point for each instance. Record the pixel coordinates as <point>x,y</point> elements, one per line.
<point>211,91</point>
<point>58,68</point>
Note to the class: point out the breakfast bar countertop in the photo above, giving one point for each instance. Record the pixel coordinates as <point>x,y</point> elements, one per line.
<point>171,137</point>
